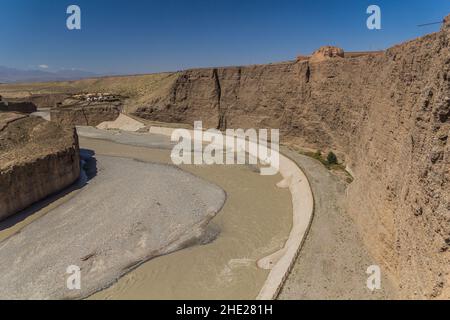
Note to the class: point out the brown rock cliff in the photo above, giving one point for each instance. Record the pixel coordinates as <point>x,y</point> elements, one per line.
<point>387,115</point>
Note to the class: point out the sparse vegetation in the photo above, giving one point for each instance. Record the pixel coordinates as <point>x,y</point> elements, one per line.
<point>315,155</point>
<point>331,158</point>
<point>330,162</point>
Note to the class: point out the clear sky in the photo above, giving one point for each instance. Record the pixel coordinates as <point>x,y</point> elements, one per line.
<point>138,36</point>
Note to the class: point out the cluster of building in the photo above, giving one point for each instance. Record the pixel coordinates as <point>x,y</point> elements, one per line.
<point>97,97</point>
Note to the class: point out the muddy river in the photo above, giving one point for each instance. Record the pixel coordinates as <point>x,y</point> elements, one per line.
<point>255,222</point>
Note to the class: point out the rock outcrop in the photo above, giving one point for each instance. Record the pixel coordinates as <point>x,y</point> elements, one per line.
<point>17,106</point>
<point>327,52</point>
<point>37,159</point>
<point>387,115</point>
<point>87,109</point>
<point>89,115</point>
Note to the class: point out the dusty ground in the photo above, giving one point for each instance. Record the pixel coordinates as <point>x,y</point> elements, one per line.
<point>333,261</point>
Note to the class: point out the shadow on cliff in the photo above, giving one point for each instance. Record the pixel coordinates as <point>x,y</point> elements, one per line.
<point>88,171</point>
<point>88,166</point>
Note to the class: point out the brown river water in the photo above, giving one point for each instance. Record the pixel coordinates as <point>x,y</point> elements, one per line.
<point>255,222</point>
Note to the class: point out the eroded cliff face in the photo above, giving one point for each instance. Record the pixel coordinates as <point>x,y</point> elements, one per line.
<point>37,158</point>
<point>388,117</point>
<point>84,116</point>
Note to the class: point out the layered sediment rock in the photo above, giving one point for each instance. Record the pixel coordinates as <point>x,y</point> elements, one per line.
<point>37,158</point>
<point>386,114</point>
<point>47,100</point>
<point>87,109</point>
<point>113,225</point>
<point>85,115</point>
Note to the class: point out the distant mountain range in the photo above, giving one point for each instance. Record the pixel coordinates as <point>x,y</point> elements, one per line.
<point>12,75</point>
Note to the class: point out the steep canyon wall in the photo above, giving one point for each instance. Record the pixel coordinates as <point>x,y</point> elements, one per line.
<point>387,115</point>
<point>37,159</point>
<point>84,116</point>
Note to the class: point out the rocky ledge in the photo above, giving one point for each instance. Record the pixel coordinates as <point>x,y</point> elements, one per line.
<point>37,159</point>
<point>87,109</point>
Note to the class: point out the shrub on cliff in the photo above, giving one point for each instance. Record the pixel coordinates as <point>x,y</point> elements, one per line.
<point>331,158</point>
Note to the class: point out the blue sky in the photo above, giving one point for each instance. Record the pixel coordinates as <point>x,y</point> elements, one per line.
<point>138,36</point>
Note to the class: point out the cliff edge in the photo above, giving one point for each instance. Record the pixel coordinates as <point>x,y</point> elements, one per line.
<point>37,158</point>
